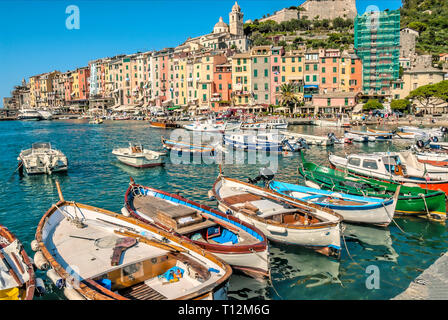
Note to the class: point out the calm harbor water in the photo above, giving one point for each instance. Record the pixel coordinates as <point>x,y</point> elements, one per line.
<point>95,177</point>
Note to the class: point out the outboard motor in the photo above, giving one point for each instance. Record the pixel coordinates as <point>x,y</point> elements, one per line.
<point>444,130</point>
<point>420,144</point>
<point>332,137</point>
<point>265,174</point>
<point>434,139</point>
<point>301,143</point>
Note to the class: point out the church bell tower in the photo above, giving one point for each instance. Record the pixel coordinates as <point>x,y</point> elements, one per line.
<point>236,20</point>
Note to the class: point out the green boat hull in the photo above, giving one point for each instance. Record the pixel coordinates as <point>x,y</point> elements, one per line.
<point>411,201</point>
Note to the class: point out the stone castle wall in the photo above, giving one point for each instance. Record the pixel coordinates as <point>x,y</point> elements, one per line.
<point>329,9</point>
<point>282,15</point>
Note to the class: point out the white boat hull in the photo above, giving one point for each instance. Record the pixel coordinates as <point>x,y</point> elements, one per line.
<point>311,238</point>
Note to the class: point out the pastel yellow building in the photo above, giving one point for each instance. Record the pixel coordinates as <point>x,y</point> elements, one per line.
<point>292,70</point>
<point>241,79</point>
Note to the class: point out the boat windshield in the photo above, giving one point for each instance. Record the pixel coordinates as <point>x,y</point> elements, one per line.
<point>41,145</point>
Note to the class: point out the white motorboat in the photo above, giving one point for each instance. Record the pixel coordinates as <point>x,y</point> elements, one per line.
<point>358,137</point>
<point>254,126</point>
<point>136,156</point>
<point>281,218</point>
<point>45,114</point>
<point>211,125</point>
<point>29,115</point>
<point>42,159</point>
<point>100,255</point>
<point>329,140</point>
<point>342,122</point>
<point>277,123</point>
<point>395,167</point>
<point>266,141</point>
<point>426,132</point>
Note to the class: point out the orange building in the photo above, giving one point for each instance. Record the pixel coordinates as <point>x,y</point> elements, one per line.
<point>329,64</point>
<point>222,86</point>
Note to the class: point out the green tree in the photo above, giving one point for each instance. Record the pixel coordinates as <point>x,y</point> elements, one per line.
<point>424,95</point>
<point>400,105</point>
<point>288,97</point>
<point>372,104</point>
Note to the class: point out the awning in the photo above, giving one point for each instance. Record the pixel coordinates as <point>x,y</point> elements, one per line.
<point>307,96</point>
<point>311,86</point>
<point>174,108</point>
<point>204,108</point>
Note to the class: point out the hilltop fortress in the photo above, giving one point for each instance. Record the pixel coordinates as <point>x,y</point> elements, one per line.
<point>329,9</point>
<point>325,9</point>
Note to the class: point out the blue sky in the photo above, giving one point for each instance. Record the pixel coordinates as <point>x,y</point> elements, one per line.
<point>34,38</point>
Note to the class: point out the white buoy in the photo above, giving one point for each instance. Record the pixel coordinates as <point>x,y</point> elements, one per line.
<point>210,195</point>
<point>34,245</point>
<point>40,287</point>
<point>57,280</point>
<point>72,294</point>
<point>40,262</point>
<point>312,184</point>
<point>125,212</point>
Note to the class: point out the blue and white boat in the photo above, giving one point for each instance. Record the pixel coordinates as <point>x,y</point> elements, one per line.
<point>272,142</point>
<point>356,209</point>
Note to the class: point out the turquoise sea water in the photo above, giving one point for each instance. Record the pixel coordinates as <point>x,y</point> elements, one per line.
<point>96,178</point>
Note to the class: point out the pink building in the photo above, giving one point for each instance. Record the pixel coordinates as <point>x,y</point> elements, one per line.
<point>83,82</point>
<point>329,62</point>
<point>334,102</point>
<point>275,76</point>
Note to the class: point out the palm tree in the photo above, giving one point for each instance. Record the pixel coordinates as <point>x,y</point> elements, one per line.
<point>287,96</point>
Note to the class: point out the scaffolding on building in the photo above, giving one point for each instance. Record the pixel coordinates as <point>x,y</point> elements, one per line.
<point>377,43</point>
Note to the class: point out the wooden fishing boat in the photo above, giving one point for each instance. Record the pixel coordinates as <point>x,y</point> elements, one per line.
<point>136,156</point>
<point>389,168</point>
<point>96,121</point>
<point>411,201</point>
<point>377,136</point>
<point>165,124</point>
<point>357,209</point>
<point>281,218</point>
<point>239,244</point>
<point>101,247</point>
<point>17,279</point>
<point>397,134</point>
<point>187,148</point>
<point>435,159</point>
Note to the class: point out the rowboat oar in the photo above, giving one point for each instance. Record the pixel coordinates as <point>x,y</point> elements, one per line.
<point>10,269</point>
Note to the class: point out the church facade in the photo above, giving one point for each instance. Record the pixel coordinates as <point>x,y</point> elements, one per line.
<point>224,36</point>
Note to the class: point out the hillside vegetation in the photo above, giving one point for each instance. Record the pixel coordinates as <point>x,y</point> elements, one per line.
<point>430,18</point>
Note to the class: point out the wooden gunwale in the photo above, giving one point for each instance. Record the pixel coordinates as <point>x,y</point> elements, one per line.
<point>102,293</point>
<point>259,247</point>
<point>31,283</point>
<point>290,200</point>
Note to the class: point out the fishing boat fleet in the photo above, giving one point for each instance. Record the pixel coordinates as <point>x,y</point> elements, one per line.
<point>163,246</point>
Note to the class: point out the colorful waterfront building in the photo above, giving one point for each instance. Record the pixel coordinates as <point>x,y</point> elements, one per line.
<point>222,87</point>
<point>275,73</point>
<point>261,74</point>
<point>242,79</point>
<point>329,64</point>
<point>311,75</point>
<point>377,43</point>
<point>293,64</point>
